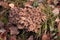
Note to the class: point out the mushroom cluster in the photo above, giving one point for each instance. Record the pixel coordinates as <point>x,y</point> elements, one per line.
<point>28,18</point>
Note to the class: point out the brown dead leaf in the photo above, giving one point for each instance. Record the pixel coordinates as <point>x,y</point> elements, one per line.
<point>30,38</point>
<point>13,30</point>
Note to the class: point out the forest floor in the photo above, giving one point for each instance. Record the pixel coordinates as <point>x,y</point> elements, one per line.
<point>29,20</point>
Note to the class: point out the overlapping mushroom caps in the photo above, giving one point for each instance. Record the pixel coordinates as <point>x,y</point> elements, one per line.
<point>27,18</point>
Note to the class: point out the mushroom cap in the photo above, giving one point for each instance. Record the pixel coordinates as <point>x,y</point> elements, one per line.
<point>11,5</point>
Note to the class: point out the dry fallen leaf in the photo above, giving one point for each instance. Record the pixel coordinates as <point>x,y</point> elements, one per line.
<point>44,37</point>
<point>4,4</point>
<point>2,31</point>
<point>1,24</point>
<point>13,30</point>
<point>13,37</point>
<point>30,38</point>
<point>57,20</point>
<point>55,11</point>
